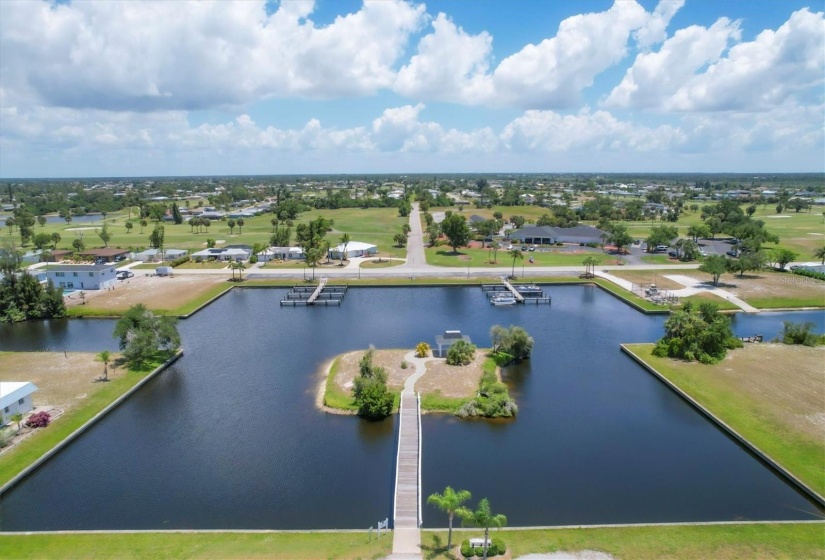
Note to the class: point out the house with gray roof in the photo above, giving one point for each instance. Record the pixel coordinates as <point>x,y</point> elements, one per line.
<point>547,235</point>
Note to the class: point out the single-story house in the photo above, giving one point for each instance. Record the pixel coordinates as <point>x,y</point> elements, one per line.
<point>211,215</point>
<point>444,341</point>
<point>153,255</point>
<point>282,253</point>
<point>107,254</point>
<point>222,254</point>
<point>353,249</point>
<point>81,276</point>
<point>547,235</point>
<point>15,396</point>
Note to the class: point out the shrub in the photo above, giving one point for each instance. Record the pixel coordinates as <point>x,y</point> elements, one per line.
<point>461,353</point>
<point>809,273</point>
<point>501,548</point>
<point>253,259</point>
<point>180,261</point>
<point>466,551</point>
<point>39,420</point>
<point>799,333</point>
<point>403,364</point>
<point>7,434</point>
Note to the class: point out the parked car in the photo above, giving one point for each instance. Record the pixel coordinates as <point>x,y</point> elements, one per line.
<point>660,248</point>
<point>732,253</point>
<point>532,248</point>
<point>674,254</point>
<point>124,274</point>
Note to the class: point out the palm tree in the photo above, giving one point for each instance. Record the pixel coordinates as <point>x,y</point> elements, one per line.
<point>482,517</point>
<point>240,266</point>
<point>820,254</point>
<point>240,225</point>
<point>345,239</point>
<point>450,501</point>
<point>422,350</point>
<point>104,357</point>
<point>143,224</point>
<point>516,254</point>
<point>17,417</point>
<point>590,266</point>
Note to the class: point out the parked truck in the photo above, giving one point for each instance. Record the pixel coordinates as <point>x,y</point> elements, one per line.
<point>164,271</point>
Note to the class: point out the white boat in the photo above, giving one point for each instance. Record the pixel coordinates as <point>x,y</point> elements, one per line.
<point>503,299</point>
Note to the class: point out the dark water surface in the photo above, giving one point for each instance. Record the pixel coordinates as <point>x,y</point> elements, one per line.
<point>229,437</point>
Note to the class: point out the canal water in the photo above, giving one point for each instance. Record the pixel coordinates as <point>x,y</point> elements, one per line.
<point>229,437</point>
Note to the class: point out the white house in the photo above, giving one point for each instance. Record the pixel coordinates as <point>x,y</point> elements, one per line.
<point>282,253</point>
<point>153,255</point>
<point>223,254</point>
<point>15,396</point>
<point>354,249</point>
<point>81,276</point>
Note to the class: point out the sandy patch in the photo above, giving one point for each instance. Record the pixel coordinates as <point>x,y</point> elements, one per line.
<point>80,228</point>
<point>816,233</point>
<point>450,381</point>
<point>63,380</point>
<point>156,292</point>
<point>776,217</point>
<point>580,555</point>
<point>761,284</point>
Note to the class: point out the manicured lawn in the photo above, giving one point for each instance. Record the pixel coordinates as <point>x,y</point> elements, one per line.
<point>334,397</point>
<point>770,411</point>
<point>706,542</point>
<point>370,225</point>
<point>26,452</point>
<point>443,255</point>
<point>385,263</point>
<point>227,546</point>
<point>658,259</point>
<point>724,305</point>
<point>205,265</point>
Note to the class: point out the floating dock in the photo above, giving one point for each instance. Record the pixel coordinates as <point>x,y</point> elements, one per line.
<point>322,294</point>
<point>523,293</point>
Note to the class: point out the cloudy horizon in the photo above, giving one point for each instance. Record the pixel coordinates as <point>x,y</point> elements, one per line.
<point>149,88</point>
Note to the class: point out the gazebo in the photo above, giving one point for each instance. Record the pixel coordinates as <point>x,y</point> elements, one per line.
<point>444,341</point>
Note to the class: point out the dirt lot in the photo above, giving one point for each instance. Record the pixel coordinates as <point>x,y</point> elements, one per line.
<point>451,381</point>
<point>63,379</point>
<point>156,292</point>
<point>794,394</point>
<point>752,285</point>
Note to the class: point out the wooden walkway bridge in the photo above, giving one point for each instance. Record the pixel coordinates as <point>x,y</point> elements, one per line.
<point>515,292</point>
<point>318,290</point>
<point>407,508</point>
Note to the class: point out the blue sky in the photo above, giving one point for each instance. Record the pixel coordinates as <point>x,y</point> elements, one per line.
<point>338,86</point>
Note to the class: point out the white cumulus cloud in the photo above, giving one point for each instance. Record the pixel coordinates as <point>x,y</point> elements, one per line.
<point>192,55</point>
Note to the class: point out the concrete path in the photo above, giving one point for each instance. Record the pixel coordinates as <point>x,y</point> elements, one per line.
<point>621,282</point>
<point>695,286</point>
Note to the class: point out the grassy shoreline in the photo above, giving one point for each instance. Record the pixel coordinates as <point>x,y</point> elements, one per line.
<point>799,454</point>
<point>643,542</point>
<point>23,454</point>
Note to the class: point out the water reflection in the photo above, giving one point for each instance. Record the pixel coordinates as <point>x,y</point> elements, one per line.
<point>229,437</point>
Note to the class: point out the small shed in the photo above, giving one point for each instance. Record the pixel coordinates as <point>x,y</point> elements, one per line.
<point>15,396</point>
<point>444,341</point>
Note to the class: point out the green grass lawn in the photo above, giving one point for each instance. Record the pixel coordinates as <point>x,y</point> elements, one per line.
<point>779,302</point>
<point>226,546</point>
<point>443,255</point>
<point>678,542</point>
<point>26,452</point>
<point>794,450</point>
<point>724,305</point>
<point>658,259</point>
<point>385,263</point>
<point>204,265</point>
<point>631,297</point>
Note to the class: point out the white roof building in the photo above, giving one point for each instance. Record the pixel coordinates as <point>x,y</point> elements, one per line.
<point>15,396</point>
<point>354,249</point>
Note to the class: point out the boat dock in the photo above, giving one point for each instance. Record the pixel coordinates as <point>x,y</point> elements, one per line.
<point>407,507</point>
<point>523,293</point>
<point>322,294</point>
